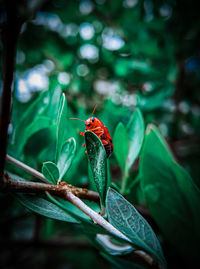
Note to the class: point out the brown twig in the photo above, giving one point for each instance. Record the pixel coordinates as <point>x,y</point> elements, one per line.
<point>60,190</point>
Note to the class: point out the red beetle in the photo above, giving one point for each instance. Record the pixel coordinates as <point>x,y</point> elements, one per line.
<point>96,126</point>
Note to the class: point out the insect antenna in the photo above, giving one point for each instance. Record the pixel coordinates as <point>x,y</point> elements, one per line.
<point>76,119</point>
<point>93,110</point>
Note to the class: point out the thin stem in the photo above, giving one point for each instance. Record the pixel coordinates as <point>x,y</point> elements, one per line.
<point>26,168</point>
<point>124,181</point>
<point>94,216</point>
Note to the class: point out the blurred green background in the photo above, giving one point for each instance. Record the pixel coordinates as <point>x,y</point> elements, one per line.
<point>119,55</point>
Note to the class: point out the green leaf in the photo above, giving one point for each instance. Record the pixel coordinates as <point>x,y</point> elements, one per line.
<point>120,145</point>
<point>72,209</point>
<point>61,125</point>
<point>92,185</point>
<point>89,227</point>
<point>155,100</point>
<point>127,220</point>
<point>108,174</point>
<point>121,263</point>
<point>53,106</point>
<point>98,162</point>
<point>39,141</point>
<point>141,66</point>
<point>109,243</point>
<point>135,131</point>
<point>48,153</point>
<point>31,114</point>
<point>113,246</point>
<point>44,207</point>
<point>16,177</point>
<point>171,196</point>
<point>123,67</point>
<point>38,124</point>
<point>66,156</point>
<point>50,172</point>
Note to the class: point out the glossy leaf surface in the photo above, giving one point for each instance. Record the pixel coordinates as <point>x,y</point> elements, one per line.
<point>171,196</point>
<point>50,172</point>
<point>135,131</point>
<point>44,207</point>
<point>61,125</point>
<point>40,141</point>
<point>54,104</point>
<point>89,227</point>
<point>98,162</point>
<point>34,111</point>
<point>120,145</point>
<point>66,156</point>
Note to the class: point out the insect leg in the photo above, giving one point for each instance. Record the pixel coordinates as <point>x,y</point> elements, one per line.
<point>104,142</point>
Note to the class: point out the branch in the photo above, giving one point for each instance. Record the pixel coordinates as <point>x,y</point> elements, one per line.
<point>94,216</point>
<point>60,190</point>
<point>80,192</point>
<point>72,194</point>
<point>26,168</point>
<point>98,219</point>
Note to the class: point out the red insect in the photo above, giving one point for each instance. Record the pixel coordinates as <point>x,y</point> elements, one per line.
<point>96,126</point>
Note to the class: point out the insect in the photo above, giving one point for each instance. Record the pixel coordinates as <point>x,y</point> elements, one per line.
<point>96,126</point>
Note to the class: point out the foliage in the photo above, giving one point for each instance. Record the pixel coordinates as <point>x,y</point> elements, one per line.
<point>170,194</point>
<point>126,218</point>
<point>138,61</point>
<point>98,162</point>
